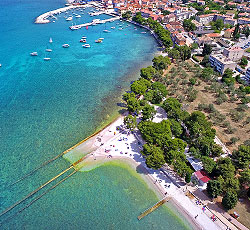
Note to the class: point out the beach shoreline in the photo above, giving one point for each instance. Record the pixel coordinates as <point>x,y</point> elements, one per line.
<point>113,144</point>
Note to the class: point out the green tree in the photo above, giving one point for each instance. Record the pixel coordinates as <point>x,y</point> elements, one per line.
<point>205,61</point>
<point>127,15</point>
<point>174,53</point>
<point>194,46</point>
<point>189,25</point>
<point>245,178</point>
<point>127,96</point>
<point>140,86</point>
<point>214,188</point>
<point>159,92</point>
<point>217,25</point>
<point>172,107</point>
<point>148,112</point>
<point>227,77</point>
<point>133,105</point>
<point>208,163</point>
<point>154,132</point>
<point>188,177</point>
<point>160,62</point>
<point>138,18</point>
<point>176,128</point>
<point>246,31</point>
<point>148,72</point>
<point>207,50</point>
<point>156,159</point>
<point>243,62</point>
<point>241,157</point>
<point>230,200</point>
<point>225,167</point>
<point>185,52</point>
<point>130,122</point>
<point>236,33</point>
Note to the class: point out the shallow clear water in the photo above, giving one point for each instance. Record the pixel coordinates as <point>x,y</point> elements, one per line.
<point>46,107</point>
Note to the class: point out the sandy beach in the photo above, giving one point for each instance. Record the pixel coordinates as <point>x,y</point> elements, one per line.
<point>115,142</point>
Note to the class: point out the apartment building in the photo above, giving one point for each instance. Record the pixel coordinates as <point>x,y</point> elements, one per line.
<point>221,63</point>
<point>234,53</point>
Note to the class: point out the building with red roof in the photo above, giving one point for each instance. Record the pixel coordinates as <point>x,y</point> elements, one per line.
<point>202,178</point>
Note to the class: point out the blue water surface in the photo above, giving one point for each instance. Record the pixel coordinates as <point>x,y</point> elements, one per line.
<point>47,107</point>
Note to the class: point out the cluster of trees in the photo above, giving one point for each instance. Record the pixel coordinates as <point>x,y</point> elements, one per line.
<point>164,35</point>
<point>180,52</point>
<point>217,25</point>
<point>188,25</point>
<point>166,141</point>
<point>243,62</point>
<point>231,176</point>
<point>227,77</point>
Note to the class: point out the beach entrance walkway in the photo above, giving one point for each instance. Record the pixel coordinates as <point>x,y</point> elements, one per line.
<point>154,207</point>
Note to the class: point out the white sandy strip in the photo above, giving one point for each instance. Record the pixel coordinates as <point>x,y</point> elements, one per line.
<point>123,145</point>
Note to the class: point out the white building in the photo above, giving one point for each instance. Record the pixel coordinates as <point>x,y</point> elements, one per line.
<point>221,63</point>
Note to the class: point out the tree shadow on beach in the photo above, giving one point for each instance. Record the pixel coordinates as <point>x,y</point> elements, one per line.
<point>141,170</point>
<point>121,104</point>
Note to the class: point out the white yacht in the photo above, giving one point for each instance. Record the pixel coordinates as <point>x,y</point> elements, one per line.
<point>65,45</point>
<point>78,16</point>
<point>46,59</point>
<point>34,54</point>
<point>48,50</point>
<point>86,46</point>
<point>106,31</point>
<point>69,19</point>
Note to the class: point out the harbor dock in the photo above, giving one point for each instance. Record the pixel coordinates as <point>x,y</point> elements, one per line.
<point>75,27</point>
<point>43,18</point>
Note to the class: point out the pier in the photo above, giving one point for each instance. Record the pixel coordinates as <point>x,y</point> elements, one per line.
<point>43,19</point>
<point>154,207</point>
<point>94,22</point>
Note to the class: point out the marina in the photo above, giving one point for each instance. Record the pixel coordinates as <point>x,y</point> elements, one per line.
<point>44,18</point>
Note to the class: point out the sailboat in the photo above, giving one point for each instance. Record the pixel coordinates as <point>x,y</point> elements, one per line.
<point>50,40</point>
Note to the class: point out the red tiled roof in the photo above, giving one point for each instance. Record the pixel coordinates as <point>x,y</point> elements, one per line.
<point>201,175</point>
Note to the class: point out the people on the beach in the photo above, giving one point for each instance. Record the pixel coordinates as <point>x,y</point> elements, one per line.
<point>196,216</point>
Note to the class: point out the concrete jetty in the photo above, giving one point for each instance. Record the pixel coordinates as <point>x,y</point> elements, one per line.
<point>43,19</point>
<point>94,22</point>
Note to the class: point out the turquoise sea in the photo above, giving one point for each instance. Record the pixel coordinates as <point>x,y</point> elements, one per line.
<point>47,107</point>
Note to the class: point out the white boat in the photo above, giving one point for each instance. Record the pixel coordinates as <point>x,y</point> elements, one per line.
<point>106,31</point>
<point>78,16</point>
<point>84,37</point>
<point>34,54</point>
<point>86,46</point>
<point>101,38</point>
<point>48,50</point>
<point>69,19</point>
<point>120,29</point>
<point>112,27</point>
<point>46,59</point>
<point>50,40</point>
<point>65,45</point>
<point>0,65</point>
<point>83,40</point>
